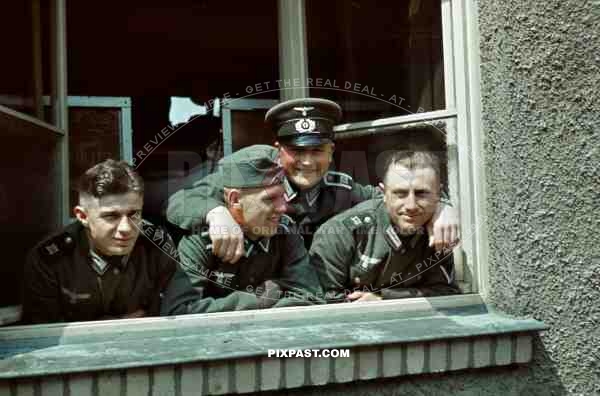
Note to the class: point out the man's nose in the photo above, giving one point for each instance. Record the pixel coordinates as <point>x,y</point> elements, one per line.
<point>125,226</point>
<point>305,158</point>
<point>410,203</point>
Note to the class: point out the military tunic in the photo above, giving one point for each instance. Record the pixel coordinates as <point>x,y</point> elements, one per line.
<point>66,281</point>
<point>309,209</point>
<point>360,250</point>
<point>273,272</point>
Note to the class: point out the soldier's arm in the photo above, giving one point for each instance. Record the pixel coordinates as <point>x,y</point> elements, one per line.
<point>189,207</point>
<point>298,278</point>
<point>41,294</point>
<point>364,192</point>
<point>186,295</point>
<point>331,254</point>
<point>443,228</point>
<point>204,204</point>
<point>438,280</point>
<point>187,290</point>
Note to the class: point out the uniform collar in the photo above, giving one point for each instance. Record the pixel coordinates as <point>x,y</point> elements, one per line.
<point>312,194</point>
<point>290,192</point>
<point>249,245</point>
<point>100,264</point>
<point>391,235</point>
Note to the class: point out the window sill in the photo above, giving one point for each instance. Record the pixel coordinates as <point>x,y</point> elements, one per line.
<point>227,352</point>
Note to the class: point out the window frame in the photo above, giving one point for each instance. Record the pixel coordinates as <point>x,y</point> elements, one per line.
<point>462,92</point>
<point>460,46</point>
<point>121,103</point>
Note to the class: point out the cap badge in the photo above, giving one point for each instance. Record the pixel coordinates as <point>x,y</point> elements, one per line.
<point>305,125</point>
<point>304,110</point>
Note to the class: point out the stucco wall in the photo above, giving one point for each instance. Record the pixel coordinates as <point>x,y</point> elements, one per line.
<point>541,115</point>
<point>540,76</point>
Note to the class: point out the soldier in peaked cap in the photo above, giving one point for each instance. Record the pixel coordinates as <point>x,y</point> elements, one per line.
<point>274,270</point>
<point>314,193</point>
<point>99,267</point>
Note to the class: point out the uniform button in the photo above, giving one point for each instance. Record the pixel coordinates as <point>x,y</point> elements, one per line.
<point>116,271</point>
<point>357,280</point>
<point>251,279</point>
<point>402,251</point>
<point>367,219</point>
<point>68,240</point>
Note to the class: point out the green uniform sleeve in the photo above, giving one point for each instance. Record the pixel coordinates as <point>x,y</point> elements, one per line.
<point>361,193</point>
<point>182,297</point>
<point>332,250</point>
<point>189,207</point>
<point>438,280</point>
<point>298,278</point>
<point>41,294</point>
<point>187,290</point>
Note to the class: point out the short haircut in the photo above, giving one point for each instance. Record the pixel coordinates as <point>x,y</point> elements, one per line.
<point>413,159</point>
<point>110,177</point>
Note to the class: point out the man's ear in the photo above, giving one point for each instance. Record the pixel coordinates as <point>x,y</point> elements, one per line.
<point>81,214</point>
<point>232,197</point>
<point>382,188</point>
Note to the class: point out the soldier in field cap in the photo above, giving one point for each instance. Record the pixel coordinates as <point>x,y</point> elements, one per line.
<point>274,269</point>
<point>313,192</point>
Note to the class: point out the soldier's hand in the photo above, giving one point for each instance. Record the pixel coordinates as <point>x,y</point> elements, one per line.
<point>359,296</point>
<point>443,228</point>
<point>226,235</point>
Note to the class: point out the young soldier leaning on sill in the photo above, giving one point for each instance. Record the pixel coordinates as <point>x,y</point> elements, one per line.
<point>99,267</point>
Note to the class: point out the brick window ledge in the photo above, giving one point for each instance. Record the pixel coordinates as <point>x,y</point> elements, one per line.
<point>227,352</point>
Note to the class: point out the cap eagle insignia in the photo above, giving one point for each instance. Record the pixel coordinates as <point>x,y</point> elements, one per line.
<point>305,125</point>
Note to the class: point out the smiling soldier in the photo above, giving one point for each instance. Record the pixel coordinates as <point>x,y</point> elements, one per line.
<point>378,249</point>
<point>274,270</point>
<point>99,267</point>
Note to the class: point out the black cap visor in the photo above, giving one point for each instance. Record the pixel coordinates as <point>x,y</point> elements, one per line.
<point>306,140</point>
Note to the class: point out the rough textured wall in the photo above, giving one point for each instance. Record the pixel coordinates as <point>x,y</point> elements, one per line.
<point>540,77</point>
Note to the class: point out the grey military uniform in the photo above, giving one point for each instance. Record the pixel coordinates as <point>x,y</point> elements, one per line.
<point>360,250</point>
<point>274,272</point>
<point>309,209</point>
<point>66,281</point>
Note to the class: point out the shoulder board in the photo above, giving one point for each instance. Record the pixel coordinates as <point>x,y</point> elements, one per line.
<point>57,246</point>
<point>338,179</point>
<point>287,223</point>
<point>359,220</point>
